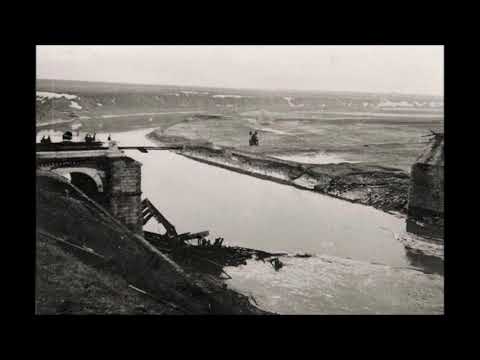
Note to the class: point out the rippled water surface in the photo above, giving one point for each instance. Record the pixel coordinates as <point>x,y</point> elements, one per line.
<point>358,265</point>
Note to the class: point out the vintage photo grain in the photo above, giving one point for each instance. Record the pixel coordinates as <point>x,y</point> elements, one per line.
<point>185,180</point>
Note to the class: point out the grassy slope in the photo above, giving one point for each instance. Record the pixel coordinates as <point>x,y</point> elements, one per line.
<point>60,276</point>
<point>65,285</point>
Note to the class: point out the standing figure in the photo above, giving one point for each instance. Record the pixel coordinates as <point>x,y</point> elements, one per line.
<point>255,138</point>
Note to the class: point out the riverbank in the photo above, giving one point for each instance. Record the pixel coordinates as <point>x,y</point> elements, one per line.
<point>377,186</point>
<point>88,263</point>
<point>357,266</point>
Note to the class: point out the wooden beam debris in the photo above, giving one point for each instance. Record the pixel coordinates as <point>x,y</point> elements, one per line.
<point>81,248</point>
<point>169,304</point>
<point>150,209</point>
<point>189,236</point>
<point>147,218</point>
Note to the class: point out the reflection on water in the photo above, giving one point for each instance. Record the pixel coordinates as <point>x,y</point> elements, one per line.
<point>346,238</point>
<point>261,214</point>
<point>428,263</point>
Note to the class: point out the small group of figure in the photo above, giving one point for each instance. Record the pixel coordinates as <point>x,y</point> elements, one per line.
<point>90,138</point>
<point>46,140</point>
<point>253,138</point>
<point>218,242</point>
<point>67,136</point>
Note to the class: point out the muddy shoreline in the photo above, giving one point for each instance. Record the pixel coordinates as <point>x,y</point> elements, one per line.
<point>380,187</point>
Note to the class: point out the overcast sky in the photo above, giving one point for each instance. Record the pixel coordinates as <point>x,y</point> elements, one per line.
<point>405,69</point>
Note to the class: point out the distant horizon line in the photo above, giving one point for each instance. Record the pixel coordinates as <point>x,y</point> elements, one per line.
<point>245,88</point>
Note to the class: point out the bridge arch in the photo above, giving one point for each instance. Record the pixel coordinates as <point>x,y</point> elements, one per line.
<point>94,174</point>
<point>111,179</point>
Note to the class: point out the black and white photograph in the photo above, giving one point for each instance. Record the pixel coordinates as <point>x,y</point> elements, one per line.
<point>239,180</point>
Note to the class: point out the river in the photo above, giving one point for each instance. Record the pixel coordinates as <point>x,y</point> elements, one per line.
<point>358,265</point>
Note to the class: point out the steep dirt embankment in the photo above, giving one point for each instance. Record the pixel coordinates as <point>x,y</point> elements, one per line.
<point>381,187</point>
<point>87,262</point>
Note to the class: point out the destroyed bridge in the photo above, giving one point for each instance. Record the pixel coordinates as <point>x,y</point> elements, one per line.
<point>110,178</point>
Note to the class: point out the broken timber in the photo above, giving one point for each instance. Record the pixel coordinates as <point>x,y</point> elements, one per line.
<point>190,236</point>
<point>149,210</point>
<point>144,149</point>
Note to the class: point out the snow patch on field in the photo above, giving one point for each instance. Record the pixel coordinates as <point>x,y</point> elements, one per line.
<point>230,96</point>
<point>189,92</point>
<point>313,158</point>
<point>275,131</point>
<point>290,102</point>
<point>74,105</point>
<point>51,95</point>
<point>436,104</point>
<point>389,104</point>
<point>406,104</point>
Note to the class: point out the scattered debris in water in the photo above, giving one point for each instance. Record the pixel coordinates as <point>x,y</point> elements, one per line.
<point>304,255</point>
<point>276,263</point>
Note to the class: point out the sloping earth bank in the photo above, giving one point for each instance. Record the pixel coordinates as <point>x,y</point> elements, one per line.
<point>89,263</point>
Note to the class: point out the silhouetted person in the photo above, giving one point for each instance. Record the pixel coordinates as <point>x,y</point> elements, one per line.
<point>255,139</point>
<point>48,140</point>
<point>109,137</point>
<point>67,136</point>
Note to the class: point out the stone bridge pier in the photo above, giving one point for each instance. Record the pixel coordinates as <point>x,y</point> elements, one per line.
<point>107,176</point>
<point>426,194</point>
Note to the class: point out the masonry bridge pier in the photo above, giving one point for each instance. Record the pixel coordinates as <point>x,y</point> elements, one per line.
<point>104,174</point>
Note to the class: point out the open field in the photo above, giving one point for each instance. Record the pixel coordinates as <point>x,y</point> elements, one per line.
<point>386,142</point>
<point>380,129</point>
